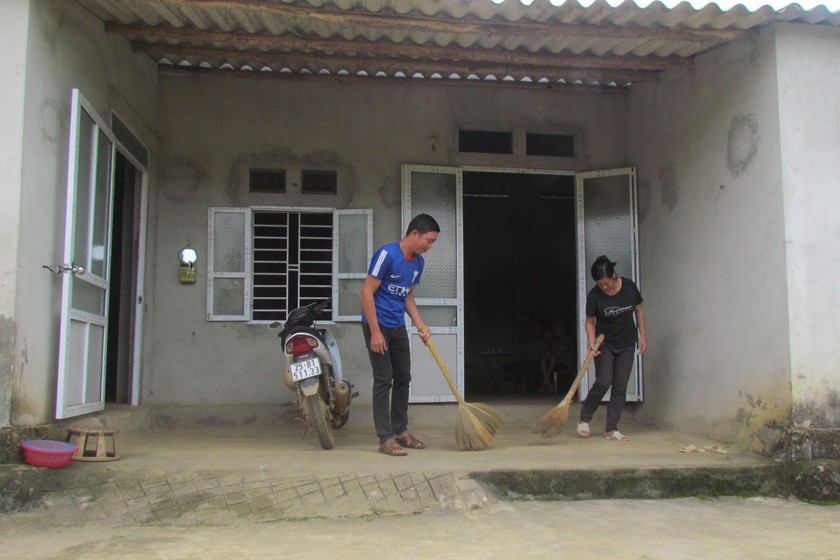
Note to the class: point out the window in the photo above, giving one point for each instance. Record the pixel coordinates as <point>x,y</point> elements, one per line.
<point>267,180</point>
<point>557,145</point>
<point>485,142</point>
<point>265,262</point>
<point>319,182</point>
<point>292,263</point>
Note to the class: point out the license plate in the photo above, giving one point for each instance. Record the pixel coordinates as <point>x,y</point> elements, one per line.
<point>305,369</point>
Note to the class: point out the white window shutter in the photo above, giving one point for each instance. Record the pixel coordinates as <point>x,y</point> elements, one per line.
<point>353,249</point>
<point>228,263</point>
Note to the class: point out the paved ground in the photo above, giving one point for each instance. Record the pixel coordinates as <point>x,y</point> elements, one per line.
<point>213,469</point>
<point>726,528</point>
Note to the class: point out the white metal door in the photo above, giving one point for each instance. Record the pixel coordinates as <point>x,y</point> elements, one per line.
<point>607,225</point>
<point>437,191</point>
<point>85,270</point>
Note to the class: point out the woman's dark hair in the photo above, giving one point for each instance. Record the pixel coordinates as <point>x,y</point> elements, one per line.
<point>423,223</point>
<point>603,268</point>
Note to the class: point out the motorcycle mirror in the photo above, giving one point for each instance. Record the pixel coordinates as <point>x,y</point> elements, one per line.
<point>274,325</point>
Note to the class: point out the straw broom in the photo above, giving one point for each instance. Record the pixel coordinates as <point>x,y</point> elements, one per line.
<point>552,422</point>
<point>476,423</point>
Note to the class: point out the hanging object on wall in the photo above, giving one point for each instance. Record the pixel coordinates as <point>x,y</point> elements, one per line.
<point>188,257</point>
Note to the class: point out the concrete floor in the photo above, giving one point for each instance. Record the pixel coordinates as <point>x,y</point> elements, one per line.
<point>222,484</point>
<point>212,467</point>
<point>199,440</point>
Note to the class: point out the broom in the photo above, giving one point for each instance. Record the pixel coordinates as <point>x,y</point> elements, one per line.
<point>552,422</point>
<point>476,423</point>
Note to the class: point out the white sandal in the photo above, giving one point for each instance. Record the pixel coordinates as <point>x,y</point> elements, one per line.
<point>616,435</point>
<point>583,429</point>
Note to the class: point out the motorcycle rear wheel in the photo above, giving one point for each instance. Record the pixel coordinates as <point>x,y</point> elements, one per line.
<point>319,419</point>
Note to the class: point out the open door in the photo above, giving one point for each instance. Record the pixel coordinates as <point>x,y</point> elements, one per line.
<point>607,225</point>
<point>437,191</point>
<point>86,268</point>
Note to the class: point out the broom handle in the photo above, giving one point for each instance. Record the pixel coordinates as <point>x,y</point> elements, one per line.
<point>444,370</point>
<point>589,357</point>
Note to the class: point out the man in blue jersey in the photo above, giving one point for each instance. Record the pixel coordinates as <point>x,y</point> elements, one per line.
<point>387,295</point>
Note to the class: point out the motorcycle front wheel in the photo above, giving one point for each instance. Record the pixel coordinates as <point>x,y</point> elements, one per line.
<point>319,419</point>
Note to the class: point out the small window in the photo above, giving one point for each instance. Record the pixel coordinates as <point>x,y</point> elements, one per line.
<point>264,262</point>
<point>267,180</point>
<point>319,182</point>
<point>485,142</point>
<point>292,262</point>
<point>557,145</point>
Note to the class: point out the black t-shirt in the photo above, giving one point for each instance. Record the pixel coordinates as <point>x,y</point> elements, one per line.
<point>614,317</point>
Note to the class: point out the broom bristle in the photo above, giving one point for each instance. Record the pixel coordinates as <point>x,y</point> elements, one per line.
<point>488,416</point>
<point>552,422</point>
<point>472,431</point>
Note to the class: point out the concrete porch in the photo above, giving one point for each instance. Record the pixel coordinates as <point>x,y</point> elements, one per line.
<point>205,466</point>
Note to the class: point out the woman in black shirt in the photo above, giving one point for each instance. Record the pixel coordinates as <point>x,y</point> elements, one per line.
<point>611,307</point>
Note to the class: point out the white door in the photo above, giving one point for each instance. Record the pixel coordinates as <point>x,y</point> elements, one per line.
<point>437,191</point>
<point>607,225</point>
<point>85,270</point>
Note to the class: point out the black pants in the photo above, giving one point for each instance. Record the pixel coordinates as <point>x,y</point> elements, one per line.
<point>391,380</point>
<point>612,369</point>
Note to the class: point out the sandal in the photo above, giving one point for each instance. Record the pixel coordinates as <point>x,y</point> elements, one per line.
<point>392,448</point>
<point>407,440</point>
<point>583,429</point>
<point>616,435</point>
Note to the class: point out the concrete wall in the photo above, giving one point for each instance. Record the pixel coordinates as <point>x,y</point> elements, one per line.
<point>14,25</point>
<point>214,127</point>
<point>735,208</point>
<point>67,47</point>
<point>713,236</point>
<point>809,79</point>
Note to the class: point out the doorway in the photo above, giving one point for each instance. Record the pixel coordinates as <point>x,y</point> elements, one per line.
<point>119,357</point>
<point>520,280</point>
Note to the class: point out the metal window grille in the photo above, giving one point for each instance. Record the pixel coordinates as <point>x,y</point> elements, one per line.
<point>292,262</point>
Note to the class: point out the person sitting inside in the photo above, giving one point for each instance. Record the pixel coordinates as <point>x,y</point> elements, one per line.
<point>564,358</point>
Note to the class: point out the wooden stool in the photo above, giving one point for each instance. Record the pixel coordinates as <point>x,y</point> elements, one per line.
<point>82,436</point>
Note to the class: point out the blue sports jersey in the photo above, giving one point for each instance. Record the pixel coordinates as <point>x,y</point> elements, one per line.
<point>397,275</point>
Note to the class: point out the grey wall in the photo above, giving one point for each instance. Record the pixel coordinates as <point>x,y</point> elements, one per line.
<point>14,23</point>
<point>809,82</point>
<point>66,47</point>
<point>713,261</point>
<point>735,208</point>
<point>214,127</point>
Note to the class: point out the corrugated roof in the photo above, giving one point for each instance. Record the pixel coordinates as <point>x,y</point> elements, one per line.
<point>474,40</point>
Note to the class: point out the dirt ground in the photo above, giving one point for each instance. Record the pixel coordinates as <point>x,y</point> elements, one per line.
<point>726,528</point>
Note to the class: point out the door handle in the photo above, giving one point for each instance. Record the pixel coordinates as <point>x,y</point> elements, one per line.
<point>59,268</point>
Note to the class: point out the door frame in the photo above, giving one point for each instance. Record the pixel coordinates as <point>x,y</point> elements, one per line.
<point>139,290</point>
<point>630,172</point>
<point>62,410</point>
<point>579,176</point>
<point>69,269</point>
<point>139,265</point>
<point>452,356</point>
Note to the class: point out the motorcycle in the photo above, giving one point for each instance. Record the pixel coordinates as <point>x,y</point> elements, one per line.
<point>313,372</point>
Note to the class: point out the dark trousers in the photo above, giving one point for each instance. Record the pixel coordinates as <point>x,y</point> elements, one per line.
<point>612,369</point>
<point>391,380</point>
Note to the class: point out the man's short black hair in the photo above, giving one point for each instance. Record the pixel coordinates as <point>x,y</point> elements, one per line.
<point>423,223</point>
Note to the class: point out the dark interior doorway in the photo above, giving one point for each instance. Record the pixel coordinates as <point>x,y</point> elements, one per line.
<point>520,270</point>
<point>121,299</point>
